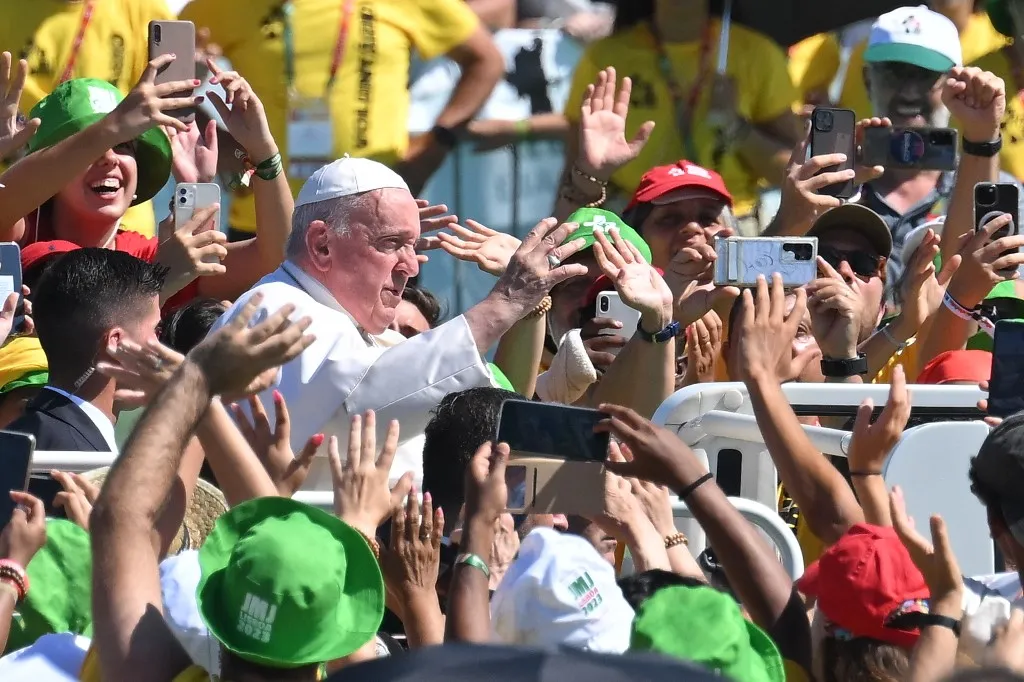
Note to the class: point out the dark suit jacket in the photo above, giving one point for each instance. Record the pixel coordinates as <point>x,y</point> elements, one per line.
<point>59,424</point>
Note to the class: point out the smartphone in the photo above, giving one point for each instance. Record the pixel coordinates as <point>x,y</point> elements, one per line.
<point>190,197</point>
<point>834,131</point>
<point>610,305</point>
<point>177,38</point>
<point>993,199</point>
<point>1005,396</point>
<point>742,259</point>
<point>10,280</point>
<point>46,487</point>
<point>16,450</point>
<point>913,148</point>
<point>551,430</point>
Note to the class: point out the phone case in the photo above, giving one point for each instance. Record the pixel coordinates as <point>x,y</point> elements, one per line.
<point>1004,394</point>
<point>10,279</point>
<point>178,38</point>
<point>18,449</point>
<point>742,259</point>
<point>555,486</point>
<point>610,305</point>
<point>833,131</point>
<point>190,197</point>
<point>913,148</point>
<point>993,199</point>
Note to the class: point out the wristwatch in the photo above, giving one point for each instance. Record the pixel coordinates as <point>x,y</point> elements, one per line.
<point>841,369</point>
<point>983,149</point>
<point>670,331</point>
<point>445,137</point>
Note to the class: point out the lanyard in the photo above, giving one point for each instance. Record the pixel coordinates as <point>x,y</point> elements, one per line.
<point>685,105</point>
<point>76,46</point>
<point>339,46</point>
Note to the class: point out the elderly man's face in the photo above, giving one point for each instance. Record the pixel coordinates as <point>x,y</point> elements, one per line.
<point>860,266</point>
<point>907,94</point>
<point>694,219</point>
<point>373,260</point>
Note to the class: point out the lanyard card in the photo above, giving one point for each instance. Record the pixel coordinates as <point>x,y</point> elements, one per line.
<point>310,136</point>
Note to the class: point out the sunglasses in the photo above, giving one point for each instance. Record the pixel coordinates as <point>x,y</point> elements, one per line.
<point>863,264</point>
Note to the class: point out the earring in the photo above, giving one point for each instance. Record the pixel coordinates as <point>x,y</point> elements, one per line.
<point>134,197</point>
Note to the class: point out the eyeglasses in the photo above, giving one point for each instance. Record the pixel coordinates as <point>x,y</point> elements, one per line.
<point>863,264</point>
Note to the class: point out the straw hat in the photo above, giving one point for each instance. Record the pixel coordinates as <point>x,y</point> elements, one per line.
<point>206,505</point>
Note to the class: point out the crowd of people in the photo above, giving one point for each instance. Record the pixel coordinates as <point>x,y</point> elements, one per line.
<point>294,355</point>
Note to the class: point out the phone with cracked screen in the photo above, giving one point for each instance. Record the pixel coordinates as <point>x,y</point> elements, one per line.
<point>16,450</point>
<point>741,259</point>
<point>910,148</point>
<point>994,199</point>
<point>834,131</point>
<point>177,38</point>
<point>556,462</point>
<point>1005,396</point>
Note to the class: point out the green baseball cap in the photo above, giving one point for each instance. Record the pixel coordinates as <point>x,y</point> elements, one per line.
<point>284,584</point>
<point>1008,305</point>
<point>61,596</point>
<point>76,104</point>
<point>703,625</point>
<point>591,219</point>
<point>1001,18</point>
<point>499,377</point>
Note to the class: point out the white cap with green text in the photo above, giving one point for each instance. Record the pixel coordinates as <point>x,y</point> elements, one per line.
<point>915,35</point>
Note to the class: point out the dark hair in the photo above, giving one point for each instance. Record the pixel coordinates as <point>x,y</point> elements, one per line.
<point>462,422</point>
<point>425,302</point>
<point>986,674</point>
<point>83,295</point>
<point>863,660</point>
<point>32,276</point>
<point>640,587</point>
<point>189,324</point>
<point>234,667</point>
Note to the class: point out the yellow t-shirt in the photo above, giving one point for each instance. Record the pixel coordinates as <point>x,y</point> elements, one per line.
<point>979,38</point>
<point>1011,158</point>
<point>756,64</point>
<point>369,102</point>
<point>813,63</point>
<point>114,49</point>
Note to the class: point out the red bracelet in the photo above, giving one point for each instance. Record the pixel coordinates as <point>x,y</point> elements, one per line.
<point>14,572</point>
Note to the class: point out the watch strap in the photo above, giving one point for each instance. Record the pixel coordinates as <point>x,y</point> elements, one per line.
<point>670,331</point>
<point>983,149</point>
<point>845,367</point>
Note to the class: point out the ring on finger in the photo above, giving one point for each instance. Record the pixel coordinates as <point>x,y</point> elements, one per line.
<point>553,261</point>
<point>158,363</point>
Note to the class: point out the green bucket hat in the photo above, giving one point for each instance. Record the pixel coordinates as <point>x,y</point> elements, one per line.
<point>705,626</point>
<point>76,104</point>
<point>499,377</point>
<point>284,584</point>
<point>590,219</point>
<point>61,596</point>
<point>999,14</point>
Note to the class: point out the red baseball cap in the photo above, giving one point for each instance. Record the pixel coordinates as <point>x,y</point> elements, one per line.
<point>659,184</point>
<point>957,365</point>
<point>37,251</point>
<point>863,581</point>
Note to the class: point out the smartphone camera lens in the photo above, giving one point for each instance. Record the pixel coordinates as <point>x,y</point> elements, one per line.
<point>941,138</point>
<point>801,252</point>
<point>183,200</point>
<point>157,34</point>
<point>986,195</point>
<point>823,121</point>
<point>604,305</point>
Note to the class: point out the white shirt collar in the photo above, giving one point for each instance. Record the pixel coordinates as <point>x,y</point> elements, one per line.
<point>95,415</point>
<point>319,293</point>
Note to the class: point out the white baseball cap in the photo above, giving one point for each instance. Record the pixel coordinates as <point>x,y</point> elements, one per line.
<point>346,177</point>
<point>915,35</point>
<point>560,592</point>
<point>916,236</point>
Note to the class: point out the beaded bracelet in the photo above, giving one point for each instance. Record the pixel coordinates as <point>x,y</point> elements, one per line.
<point>372,542</point>
<point>15,573</point>
<point>541,310</point>
<point>588,176</point>
<point>675,540</point>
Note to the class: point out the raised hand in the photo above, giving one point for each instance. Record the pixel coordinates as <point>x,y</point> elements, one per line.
<point>986,263</point>
<point>192,250</point>
<point>922,288</point>
<point>868,173</point>
<point>273,447</point>
<point>801,203</point>
<point>139,371</point>
<point>239,352</point>
<point>536,266</point>
<point>432,218</point>
<point>872,443</point>
<point>145,106</point>
<point>603,145</point>
<point>936,562</point>
<point>362,498</point>
<point>243,113</point>
<point>476,243</point>
<point>977,100</point>
<point>486,492</point>
<point>13,135</point>
<point>78,497</point>
<point>25,533</point>
<point>766,332</point>
<point>638,283</point>
<point>411,562</point>
<point>835,307</point>
<point>704,340</point>
<point>195,155</point>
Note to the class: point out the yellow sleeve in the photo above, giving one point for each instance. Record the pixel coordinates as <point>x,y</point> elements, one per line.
<point>776,94</point>
<point>439,26</point>
<point>215,16</point>
<point>794,672</point>
<point>906,357</point>
<point>90,671</point>
<point>814,62</point>
<point>586,71</point>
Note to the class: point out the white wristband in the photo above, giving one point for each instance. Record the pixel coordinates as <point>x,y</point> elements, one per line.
<point>955,307</point>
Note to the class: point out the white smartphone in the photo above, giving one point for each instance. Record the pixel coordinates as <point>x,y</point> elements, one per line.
<point>611,306</point>
<point>190,197</point>
<point>742,259</point>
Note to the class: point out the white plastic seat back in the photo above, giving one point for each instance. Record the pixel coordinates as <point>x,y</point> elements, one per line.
<point>930,463</point>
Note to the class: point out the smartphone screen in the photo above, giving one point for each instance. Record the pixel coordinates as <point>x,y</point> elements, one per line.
<point>549,430</point>
<point>45,487</point>
<point>15,464</point>
<point>1005,396</point>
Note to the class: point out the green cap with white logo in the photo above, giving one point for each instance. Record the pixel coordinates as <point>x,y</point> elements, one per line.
<point>592,220</point>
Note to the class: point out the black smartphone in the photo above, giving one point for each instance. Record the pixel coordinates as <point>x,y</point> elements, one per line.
<point>834,131</point>
<point>46,487</point>
<point>911,148</point>
<point>994,199</point>
<point>10,280</point>
<point>16,450</point>
<point>1006,387</point>
<point>549,430</point>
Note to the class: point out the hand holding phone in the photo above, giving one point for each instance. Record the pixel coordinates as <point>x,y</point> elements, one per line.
<point>740,260</point>
<point>16,451</point>
<point>834,131</point>
<point>177,38</point>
